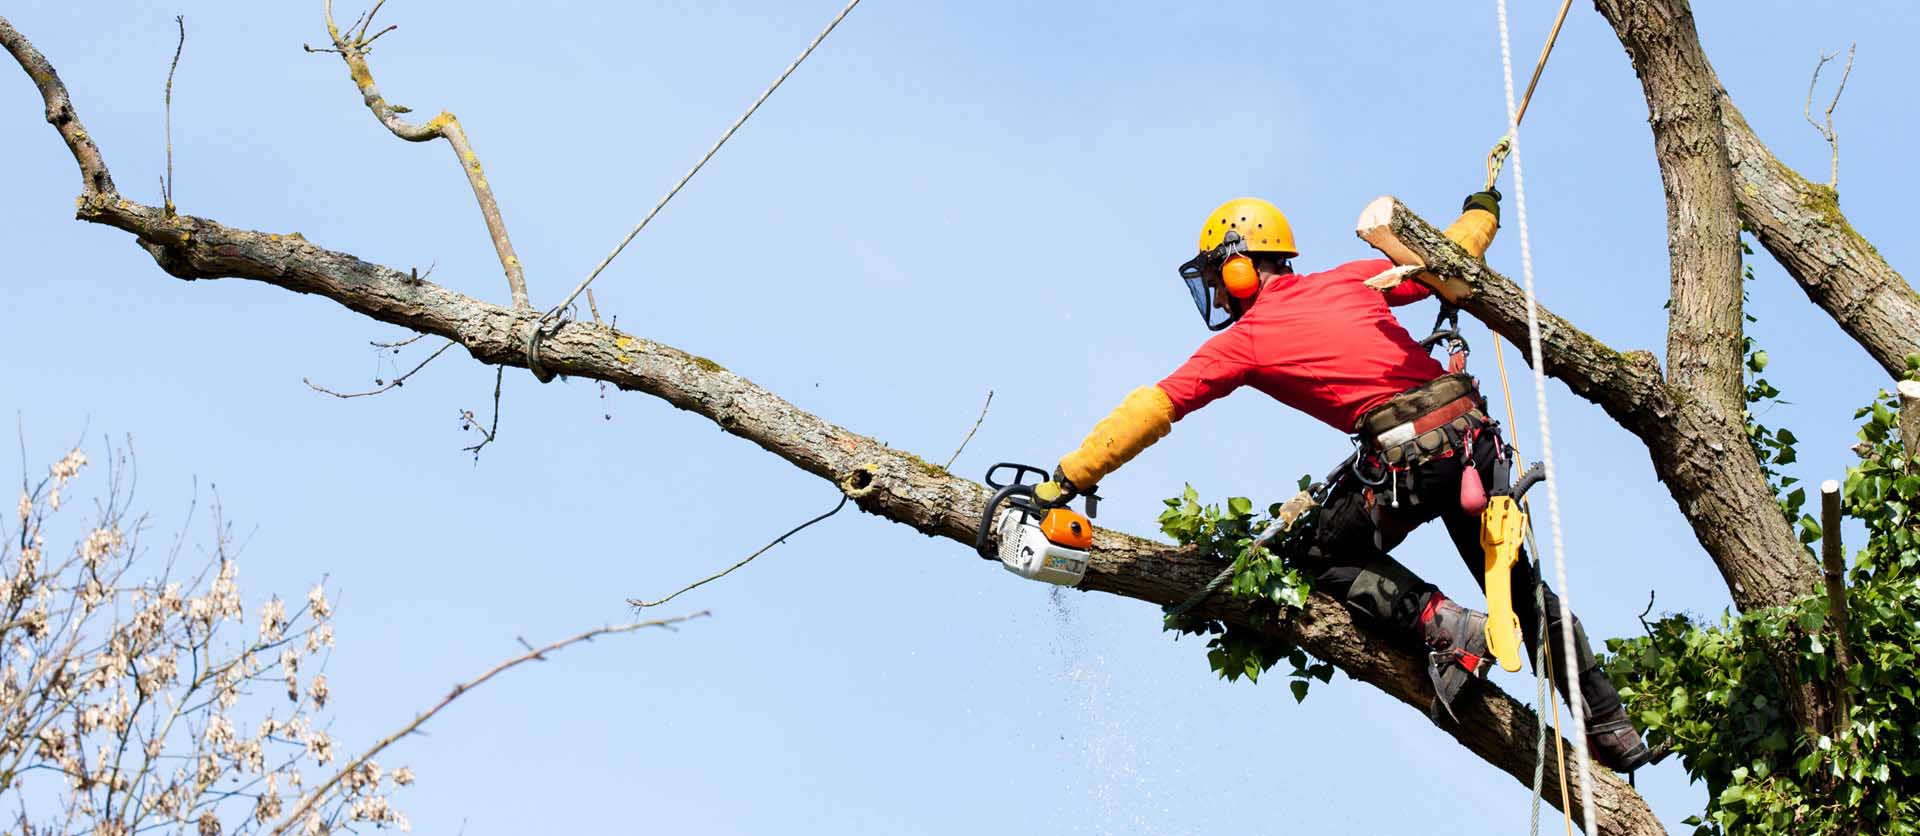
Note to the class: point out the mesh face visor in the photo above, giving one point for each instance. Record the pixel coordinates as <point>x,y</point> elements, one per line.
<point>1204,292</point>
<point>1217,310</point>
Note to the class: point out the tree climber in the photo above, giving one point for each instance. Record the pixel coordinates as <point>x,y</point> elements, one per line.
<point>1328,345</point>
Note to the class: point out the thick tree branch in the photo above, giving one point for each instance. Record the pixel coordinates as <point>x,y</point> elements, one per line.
<point>1703,226</point>
<point>1800,224</point>
<point>93,170</point>
<point>352,48</point>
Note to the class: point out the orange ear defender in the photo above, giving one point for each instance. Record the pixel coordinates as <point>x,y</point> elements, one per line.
<point>1239,277</point>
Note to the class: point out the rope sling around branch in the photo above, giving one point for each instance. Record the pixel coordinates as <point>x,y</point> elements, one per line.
<point>1512,141</point>
<point>551,320</point>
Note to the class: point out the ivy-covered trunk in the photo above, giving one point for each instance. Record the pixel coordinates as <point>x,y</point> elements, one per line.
<point>1710,689</point>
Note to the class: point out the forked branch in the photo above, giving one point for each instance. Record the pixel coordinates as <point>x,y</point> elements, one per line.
<point>352,44</point>
<point>1826,131</point>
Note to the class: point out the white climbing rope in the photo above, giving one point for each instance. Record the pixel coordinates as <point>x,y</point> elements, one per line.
<point>1576,702</point>
<point>554,313</point>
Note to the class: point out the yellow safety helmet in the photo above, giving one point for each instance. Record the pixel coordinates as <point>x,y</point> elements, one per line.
<point>1259,223</point>
<point>1240,226</point>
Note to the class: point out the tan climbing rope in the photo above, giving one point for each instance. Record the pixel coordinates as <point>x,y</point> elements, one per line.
<point>1497,158</point>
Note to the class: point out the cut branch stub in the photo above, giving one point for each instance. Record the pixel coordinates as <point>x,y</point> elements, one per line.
<point>1376,228</point>
<point>1909,392</point>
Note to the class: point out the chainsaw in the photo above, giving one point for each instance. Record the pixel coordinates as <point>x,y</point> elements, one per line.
<point>1034,540</point>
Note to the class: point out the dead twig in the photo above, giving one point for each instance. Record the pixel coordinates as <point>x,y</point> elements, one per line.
<point>351,45</point>
<point>641,605</point>
<point>384,386</point>
<point>368,42</point>
<point>469,422</point>
<point>1827,131</point>
<point>399,344</point>
<point>166,186</point>
<point>976,428</point>
<point>312,799</point>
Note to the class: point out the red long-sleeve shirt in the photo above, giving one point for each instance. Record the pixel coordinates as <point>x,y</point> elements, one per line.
<point>1323,343</point>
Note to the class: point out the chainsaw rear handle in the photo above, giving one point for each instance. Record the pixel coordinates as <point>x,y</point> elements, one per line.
<point>1021,495</point>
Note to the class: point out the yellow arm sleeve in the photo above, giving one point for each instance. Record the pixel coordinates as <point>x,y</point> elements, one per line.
<point>1474,231</point>
<point>1146,416</point>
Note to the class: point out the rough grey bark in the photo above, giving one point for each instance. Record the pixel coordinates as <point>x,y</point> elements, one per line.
<point>1703,226</point>
<point>886,482</point>
<point>1800,224</point>
<point>1798,221</point>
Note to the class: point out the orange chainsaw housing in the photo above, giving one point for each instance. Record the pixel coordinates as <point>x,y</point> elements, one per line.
<point>1067,527</point>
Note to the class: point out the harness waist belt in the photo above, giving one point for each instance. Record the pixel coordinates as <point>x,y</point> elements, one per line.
<point>1411,405</point>
<point>1407,431</point>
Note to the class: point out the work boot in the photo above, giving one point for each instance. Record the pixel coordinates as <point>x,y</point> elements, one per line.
<point>1613,741</point>
<point>1457,639</point>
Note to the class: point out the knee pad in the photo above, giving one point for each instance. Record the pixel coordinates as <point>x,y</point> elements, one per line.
<point>1387,591</point>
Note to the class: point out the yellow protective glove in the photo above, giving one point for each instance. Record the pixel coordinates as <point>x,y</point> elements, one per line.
<point>1479,219</point>
<point>1144,417</point>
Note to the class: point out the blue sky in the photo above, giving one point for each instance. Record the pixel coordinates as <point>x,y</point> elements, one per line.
<point>943,195</point>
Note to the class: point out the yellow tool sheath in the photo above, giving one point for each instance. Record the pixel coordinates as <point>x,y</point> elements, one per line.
<point>1143,418</point>
<point>1503,527</point>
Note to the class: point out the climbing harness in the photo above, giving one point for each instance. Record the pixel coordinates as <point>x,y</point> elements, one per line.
<point>1436,420</point>
<point>550,322</point>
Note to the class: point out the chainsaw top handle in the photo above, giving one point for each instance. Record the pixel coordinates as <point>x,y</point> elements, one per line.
<point>1020,474</point>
